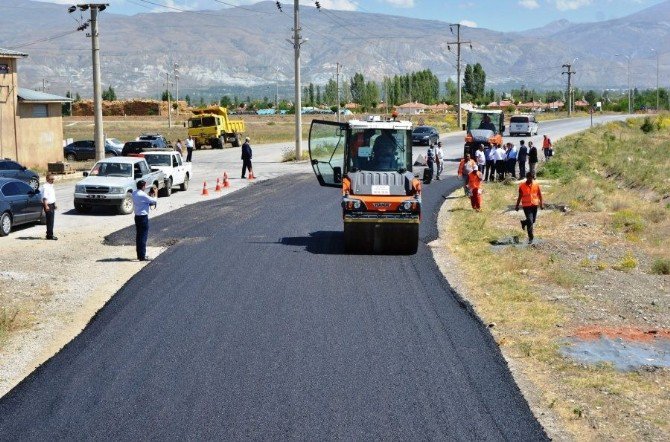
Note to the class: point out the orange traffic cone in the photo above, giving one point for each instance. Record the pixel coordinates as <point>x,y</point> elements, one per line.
<point>205,192</point>
<point>218,186</point>
<point>251,175</point>
<point>226,183</point>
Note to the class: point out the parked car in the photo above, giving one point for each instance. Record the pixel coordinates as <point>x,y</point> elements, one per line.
<point>427,135</point>
<point>19,204</point>
<point>177,171</point>
<point>85,150</point>
<point>112,181</point>
<point>158,140</point>
<point>12,169</point>
<point>134,148</point>
<point>116,143</point>
<point>523,124</point>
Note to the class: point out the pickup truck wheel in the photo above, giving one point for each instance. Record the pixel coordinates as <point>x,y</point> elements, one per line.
<point>5,224</point>
<point>184,185</point>
<point>126,207</point>
<point>167,190</point>
<point>82,208</point>
<point>70,157</point>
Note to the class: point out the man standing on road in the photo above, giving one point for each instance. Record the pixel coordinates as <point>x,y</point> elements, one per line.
<point>500,164</point>
<point>49,204</point>
<point>532,158</point>
<point>190,145</point>
<point>490,172</point>
<point>521,157</point>
<point>246,158</point>
<point>511,160</point>
<point>142,203</point>
<point>530,197</point>
<point>439,159</point>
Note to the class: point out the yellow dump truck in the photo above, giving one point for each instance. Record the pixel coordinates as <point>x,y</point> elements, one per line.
<point>211,126</point>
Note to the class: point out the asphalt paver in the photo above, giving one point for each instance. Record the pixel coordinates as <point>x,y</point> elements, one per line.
<point>255,324</point>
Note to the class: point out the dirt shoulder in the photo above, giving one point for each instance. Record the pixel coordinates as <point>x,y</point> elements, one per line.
<point>595,275</point>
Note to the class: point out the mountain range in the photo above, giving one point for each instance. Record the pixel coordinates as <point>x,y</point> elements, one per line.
<point>219,49</point>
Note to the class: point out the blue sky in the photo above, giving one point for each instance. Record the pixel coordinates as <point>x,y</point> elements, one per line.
<point>502,15</point>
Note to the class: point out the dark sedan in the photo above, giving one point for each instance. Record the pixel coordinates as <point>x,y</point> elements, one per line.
<point>19,204</point>
<point>85,150</point>
<point>12,169</point>
<point>427,135</point>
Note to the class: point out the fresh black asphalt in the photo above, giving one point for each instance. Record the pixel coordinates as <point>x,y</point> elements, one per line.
<point>255,324</point>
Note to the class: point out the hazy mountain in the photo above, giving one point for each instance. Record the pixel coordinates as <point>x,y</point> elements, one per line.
<point>246,47</point>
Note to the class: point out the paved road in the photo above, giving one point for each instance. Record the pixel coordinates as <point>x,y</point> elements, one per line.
<point>256,325</point>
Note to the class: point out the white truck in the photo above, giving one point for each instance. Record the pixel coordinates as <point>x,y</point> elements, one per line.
<point>111,183</point>
<point>177,171</point>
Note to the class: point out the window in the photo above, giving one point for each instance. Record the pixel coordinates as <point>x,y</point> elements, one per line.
<point>11,165</point>
<point>381,150</point>
<point>24,189</point>
<point>157,159</point>
<point>178,157</point>
<point>208,122</point>
<point>40,110</point>
<point>11,189</point>
<point>175,163</point>
<point>144,168</point>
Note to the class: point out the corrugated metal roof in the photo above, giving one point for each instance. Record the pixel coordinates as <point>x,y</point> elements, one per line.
<point>30,96</point>
<point>11,53</point>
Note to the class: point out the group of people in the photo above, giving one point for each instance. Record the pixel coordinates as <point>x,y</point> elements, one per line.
<point>499,162</point>
<point>435,160</point>
<point>502,161</point>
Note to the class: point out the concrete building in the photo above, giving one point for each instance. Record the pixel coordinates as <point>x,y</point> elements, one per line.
<point>411,108</point>
<point>31,123</point>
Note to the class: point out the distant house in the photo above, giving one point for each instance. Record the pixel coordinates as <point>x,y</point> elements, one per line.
<point>351,106</point>
<point>555,105</point>
<point>502,104</point>
<point>441,108</point>
<point>414,108</point>
<point>582,104</point>
<point>31,123</point>
<point>532,106</point>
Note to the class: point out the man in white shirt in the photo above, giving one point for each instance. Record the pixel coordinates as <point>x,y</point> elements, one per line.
<point>481,159</point>
<point>190,145</point>
<point>49,204</point>
<point>500,156</point>
<point>142,203</point>
<point>439,159</point>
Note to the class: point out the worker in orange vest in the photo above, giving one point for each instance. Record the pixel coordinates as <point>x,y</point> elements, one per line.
<point>530,197</point>
<point>466,166</point>
<point>475,185</point>
<point>547,148</point>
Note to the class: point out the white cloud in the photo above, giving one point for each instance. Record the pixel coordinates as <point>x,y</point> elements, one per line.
<point>401,3</point>
<point>529,4</point>
<point>567,5</point>
<point>468,23</point>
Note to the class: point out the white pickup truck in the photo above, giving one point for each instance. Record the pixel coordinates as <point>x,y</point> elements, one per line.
<point>177,172</point>
<point>112,181</point>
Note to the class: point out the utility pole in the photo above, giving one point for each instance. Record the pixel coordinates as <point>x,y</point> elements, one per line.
<point>569,73</point>
<point>630,104</point>
<point>277,91</point>
<point>176,81</point>
<point>458,44</point>
<point>44,84</point>
<point>297,41</point>
<point>658,97</point>
<point>169,107</point>
<point>95,53</point>
<point>337,75</point>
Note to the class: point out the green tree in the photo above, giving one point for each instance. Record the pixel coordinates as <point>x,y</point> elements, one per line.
<point>187,98</point>
<point>591,97</point>
<point>479,78</point>
<point>330,92</point>
<point>469,83</point>
<point>77,97</point>
<point>225,101</point>
<point>65,107</point>
<point>310,94</point>
<point>165,95</point>
<point>491,96</point>
<point>318,94</point>
<point>357,88</point>
<point>451,89</point>
<point>109,94</point>
<point>371,99</point>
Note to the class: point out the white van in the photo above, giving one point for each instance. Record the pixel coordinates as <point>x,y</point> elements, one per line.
<point>523,124</point>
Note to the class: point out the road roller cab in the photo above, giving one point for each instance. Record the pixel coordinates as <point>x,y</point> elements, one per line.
<point>371,162</point>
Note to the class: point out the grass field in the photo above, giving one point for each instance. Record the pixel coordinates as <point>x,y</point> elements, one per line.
<point>604,263</point>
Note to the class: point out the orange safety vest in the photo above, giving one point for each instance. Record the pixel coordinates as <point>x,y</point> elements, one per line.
<point>461,166</point>
<point>530,195</point>
<point>546,144</point>
<point>474,181</point>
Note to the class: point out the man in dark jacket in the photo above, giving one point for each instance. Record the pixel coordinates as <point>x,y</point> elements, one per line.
<point>521,158</point>
<point>532,158</point>
<point>246,159</point>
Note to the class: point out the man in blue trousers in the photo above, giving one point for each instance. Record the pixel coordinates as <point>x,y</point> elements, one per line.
<point>143,203</point>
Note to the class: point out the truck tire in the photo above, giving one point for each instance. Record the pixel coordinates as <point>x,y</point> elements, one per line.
<point>184,185</point>
<point>236,141</point>
<point>222,142</point>
<point>82,208</point>
<point>127,206</point>
<point>167,190</point>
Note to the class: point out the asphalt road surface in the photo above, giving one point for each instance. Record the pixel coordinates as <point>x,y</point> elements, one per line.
<point>256,325</point>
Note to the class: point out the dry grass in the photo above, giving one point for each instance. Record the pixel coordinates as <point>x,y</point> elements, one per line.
<point>537,295</point>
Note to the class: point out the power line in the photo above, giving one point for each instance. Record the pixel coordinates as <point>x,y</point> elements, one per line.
<point>45,39</point>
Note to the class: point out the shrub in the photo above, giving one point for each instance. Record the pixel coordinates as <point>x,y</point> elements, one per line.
<point>628,220</point>
<point>628,262</point>
<point>648,126</point>
<point>271,123</point>
<point>661,267</point>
